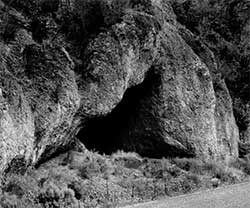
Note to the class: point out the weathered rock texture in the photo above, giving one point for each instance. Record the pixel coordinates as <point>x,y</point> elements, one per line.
<point>183,109</point>
<point>38,102</point>
<point>176,111</point>
<point>141,73</point>
<point>223,26</point>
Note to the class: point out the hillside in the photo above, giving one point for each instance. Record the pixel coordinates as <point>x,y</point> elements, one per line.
<point>160,78</point>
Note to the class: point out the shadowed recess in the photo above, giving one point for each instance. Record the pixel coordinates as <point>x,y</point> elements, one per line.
<point>125,128</point>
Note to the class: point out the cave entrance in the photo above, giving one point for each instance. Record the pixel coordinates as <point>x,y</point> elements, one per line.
<point>123,128</point>
<point>106,134</point>
<point>132,125</point>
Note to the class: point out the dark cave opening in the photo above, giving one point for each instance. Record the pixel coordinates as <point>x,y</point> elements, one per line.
<point>123,129</point>
<point>126,127</point>
<point>104,134</point>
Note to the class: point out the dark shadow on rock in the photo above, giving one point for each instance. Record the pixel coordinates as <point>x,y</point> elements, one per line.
<point>125,128</point>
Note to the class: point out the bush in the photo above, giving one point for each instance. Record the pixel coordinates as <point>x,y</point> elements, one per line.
<point>89,164</point>
<point>8,201</point>
<point>242,164</point>
<point>127,159</point>
<point>18,191</point>
<point>56,197</point>
<point>211,169</point>
<point>190,164</point>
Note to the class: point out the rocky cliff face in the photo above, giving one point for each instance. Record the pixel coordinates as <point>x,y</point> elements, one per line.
<point>136,80</point>
<point>223,26</point>
<point>39,101</point>
<point>182,108</point>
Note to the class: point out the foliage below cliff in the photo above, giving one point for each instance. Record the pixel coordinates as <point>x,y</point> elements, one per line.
<point>87,179</point>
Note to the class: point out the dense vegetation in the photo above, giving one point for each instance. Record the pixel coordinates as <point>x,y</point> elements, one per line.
<point>87,179</point>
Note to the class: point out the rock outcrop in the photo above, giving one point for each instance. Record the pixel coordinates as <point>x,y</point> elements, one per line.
<point>182,109</point>
<point>39,101</point>
<point>181,105</point>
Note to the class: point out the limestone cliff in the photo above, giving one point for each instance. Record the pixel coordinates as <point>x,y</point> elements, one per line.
<point>130,76</point>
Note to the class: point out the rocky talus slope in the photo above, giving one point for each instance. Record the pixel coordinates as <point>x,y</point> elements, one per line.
<point>136,76</point>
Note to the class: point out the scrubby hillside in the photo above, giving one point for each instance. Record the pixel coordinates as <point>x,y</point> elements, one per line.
<point>162,78</point>
<point>87,179</point>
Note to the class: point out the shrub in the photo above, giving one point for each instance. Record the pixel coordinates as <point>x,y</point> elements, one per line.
<point>127,159</point>
<point>18,191</point>
<point>241,164</point>
<point>190,164</point>
<point>212,169</point>
<point>17,165</point>
<point>89,164</point>
<point>8,201</point>
<point>55,197</point>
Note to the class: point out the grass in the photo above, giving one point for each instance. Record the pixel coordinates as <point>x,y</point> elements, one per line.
<point>88,179</point>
